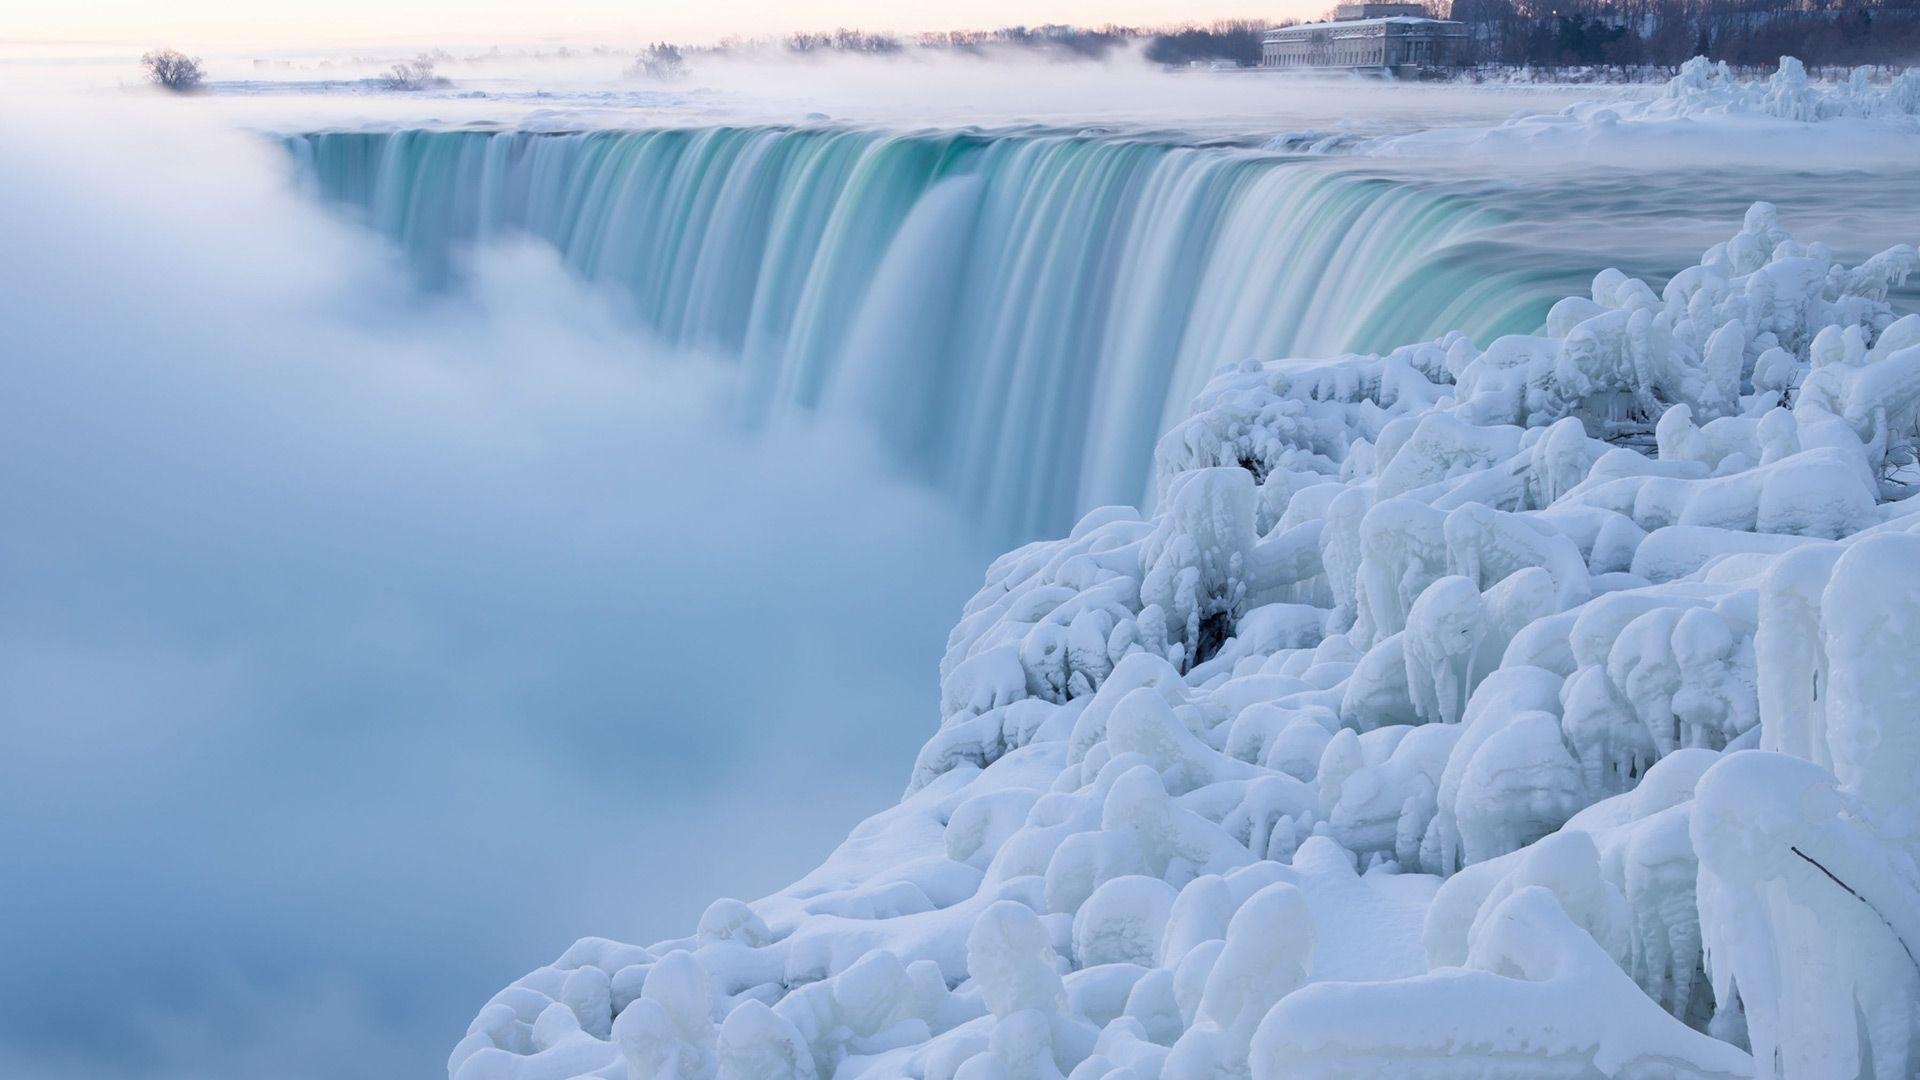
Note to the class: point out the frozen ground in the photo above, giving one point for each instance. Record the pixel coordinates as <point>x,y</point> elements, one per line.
<point>1703,117</point>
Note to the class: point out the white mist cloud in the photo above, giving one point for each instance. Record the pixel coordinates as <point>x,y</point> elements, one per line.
<point>294,88</point>
<point>358,649</point>
<point>233,22</point>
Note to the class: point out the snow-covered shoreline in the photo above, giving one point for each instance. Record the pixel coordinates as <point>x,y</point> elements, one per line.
<point>1703,116</point>
<point>1415,731</point>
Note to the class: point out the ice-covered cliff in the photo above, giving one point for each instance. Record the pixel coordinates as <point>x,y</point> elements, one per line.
<point>1530,710</point>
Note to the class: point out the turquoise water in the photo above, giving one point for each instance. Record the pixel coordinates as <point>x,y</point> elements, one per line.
<point>1018,316</point>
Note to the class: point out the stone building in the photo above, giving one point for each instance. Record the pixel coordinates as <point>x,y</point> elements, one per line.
<point>1376,38</point>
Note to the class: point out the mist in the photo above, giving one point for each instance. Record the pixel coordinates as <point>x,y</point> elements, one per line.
<point>506,83</point>
<point>360,648</point>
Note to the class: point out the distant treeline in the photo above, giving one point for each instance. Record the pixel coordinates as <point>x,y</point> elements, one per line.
<point>1664,33</point>
<point>1626,34</point>
<point>1641,37</point>
<point>1237,40</point>
<point>1069,42</point>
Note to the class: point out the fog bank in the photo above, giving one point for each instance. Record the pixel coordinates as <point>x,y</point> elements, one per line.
<point>359,649</point>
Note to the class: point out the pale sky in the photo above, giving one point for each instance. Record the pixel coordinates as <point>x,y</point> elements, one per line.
<point>212,24</point>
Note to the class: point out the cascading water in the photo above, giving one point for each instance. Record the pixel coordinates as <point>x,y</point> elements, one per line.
<point>1018,315</point>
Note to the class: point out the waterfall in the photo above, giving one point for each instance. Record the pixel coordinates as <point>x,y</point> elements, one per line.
<point>1017,315</point>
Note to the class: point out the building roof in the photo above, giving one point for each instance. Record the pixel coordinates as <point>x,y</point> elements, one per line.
<point>1345,24</point>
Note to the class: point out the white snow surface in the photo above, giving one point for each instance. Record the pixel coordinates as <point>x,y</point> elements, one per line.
<point>1705,88</point>
<point>1539,709</point>
<point>1707,116</point>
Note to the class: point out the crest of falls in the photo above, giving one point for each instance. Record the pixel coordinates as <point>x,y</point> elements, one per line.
<point>1018,315</point>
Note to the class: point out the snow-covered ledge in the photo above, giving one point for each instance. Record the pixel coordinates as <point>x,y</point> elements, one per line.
<point>1539,709</point>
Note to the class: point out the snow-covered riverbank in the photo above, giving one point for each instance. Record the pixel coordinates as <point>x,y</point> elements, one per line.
<point>1703,117</point>
<point>1527,706</point>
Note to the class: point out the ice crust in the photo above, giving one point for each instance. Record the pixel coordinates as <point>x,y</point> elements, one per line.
<point>1705,116</point>
<point>1704,87</point>
<point>1532,710</point>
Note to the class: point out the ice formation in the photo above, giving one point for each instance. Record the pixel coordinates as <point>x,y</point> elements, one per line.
<point>1705,116</point>
<point>1530,710</point>
<point>1704,87</point>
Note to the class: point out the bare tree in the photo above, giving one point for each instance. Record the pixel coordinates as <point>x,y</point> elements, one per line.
<point>173,69</point>
<point>415,74</point>
<point>661,61</point>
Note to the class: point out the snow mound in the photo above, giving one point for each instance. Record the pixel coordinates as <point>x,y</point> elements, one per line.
<point>1529,710</point>
<point>1707,87</point>
<point>1705,116</point>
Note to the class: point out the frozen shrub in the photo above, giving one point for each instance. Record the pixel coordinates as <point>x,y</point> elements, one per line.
<point>171,69</point>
